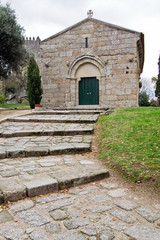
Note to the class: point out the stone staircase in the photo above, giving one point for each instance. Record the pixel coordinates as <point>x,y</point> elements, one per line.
<point>44,152</point>
<point>47,133</point>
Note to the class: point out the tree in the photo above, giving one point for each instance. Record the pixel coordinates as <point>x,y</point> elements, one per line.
<point>34,83</point>
<point>154,79</point>
<point>157,91</point>
<point>148,86</point>
<point>143,99</point>
<point>12,51</point>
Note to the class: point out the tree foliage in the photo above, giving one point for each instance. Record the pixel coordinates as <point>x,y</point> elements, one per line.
<point>12,51</point>
<point>2,98</point>
<point>148,86</point>
<point>154,79</point>
<point>34,83</point>
<point>143,99</point>
<point>157,91</point>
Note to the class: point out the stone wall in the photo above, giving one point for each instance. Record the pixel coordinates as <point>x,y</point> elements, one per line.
<point>33,46</point>
<point>113,50</point>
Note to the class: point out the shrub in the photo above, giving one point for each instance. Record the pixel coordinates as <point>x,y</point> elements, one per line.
<point>19,99</point>
<point>2,98</point>
<point>10,90</point>
<point>25,102</point>
<point>34,84</point>
<point>153,103</point>
<point>143,99</point>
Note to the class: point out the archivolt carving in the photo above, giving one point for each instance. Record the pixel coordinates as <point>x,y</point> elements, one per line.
<point>86,59</point>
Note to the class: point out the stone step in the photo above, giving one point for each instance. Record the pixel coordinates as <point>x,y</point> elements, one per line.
<point>69,112</point>
<point>28,177</point>
<point>79,118</point>
<point>28,165</point>
<point>12,129</point>
<point>43,145</point>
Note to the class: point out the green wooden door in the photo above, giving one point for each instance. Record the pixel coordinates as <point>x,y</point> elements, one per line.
<point>89,91</point>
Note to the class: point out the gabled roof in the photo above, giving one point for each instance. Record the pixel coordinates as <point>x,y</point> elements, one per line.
<point>90,20</point>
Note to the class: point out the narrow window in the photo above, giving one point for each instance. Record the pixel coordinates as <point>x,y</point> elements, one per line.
<point>86,42</point>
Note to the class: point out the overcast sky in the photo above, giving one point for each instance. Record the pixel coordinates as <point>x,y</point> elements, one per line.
<point>44,18</point>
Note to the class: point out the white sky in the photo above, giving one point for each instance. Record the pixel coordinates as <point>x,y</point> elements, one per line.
<point>44,18</point>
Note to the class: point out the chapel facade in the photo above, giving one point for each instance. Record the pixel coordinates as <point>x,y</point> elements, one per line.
<point>92,64</point>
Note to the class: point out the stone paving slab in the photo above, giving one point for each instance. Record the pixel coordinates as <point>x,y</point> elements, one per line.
<point>41,186</point>
<point>33,176</point>
<point>12,129</point>
<point>77,215</point>
<point>12,189</point>
<point>79,118</point>
<point>43,145</point>
<point>70,112</point>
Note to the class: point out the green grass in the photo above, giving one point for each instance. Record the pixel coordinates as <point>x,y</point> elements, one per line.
<point>129,140</point>
<point>23,106</point>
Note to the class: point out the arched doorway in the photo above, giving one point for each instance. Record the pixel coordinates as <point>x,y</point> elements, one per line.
<point>87,72</point>
<point>88,84</point>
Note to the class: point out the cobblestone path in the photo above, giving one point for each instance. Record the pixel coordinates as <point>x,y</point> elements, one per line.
<point>100,210</point>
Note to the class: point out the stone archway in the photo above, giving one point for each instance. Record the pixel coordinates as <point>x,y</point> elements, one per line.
<point>86,59</point>
<point>89,68</point>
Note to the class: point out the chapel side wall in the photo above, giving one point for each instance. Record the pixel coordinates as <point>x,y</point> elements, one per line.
<point>117,48</point>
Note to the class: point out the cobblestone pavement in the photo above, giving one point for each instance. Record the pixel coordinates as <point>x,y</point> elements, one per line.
<point>96,211</point>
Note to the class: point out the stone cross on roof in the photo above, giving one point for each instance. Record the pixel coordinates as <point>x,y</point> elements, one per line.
<point>90,13</point>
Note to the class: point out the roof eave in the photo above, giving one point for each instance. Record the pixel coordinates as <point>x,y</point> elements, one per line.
<point>143,55</point>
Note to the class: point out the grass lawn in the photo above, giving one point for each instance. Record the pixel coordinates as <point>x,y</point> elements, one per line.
<point>129,140</point>
<point>23,106</point>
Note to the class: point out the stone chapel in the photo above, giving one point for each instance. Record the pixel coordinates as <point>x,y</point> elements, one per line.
<point>92,64</point>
